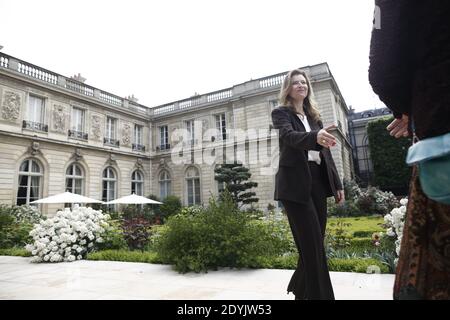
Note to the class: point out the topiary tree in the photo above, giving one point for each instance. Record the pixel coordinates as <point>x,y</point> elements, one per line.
<point>235,177</point>
<point>388,156</point>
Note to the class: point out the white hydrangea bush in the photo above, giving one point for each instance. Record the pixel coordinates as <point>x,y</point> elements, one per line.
<point>68,236</point>
<point>394,222</point>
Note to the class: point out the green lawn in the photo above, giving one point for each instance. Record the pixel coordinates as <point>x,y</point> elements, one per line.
<point>364,226</point>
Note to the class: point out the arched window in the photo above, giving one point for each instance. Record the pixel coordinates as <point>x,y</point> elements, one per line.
<point>193,186</point>
<point>30,175</point>
<point>164,184</point>
<point>137,183</point>
<point>109,184</point>
<point>75,179</point>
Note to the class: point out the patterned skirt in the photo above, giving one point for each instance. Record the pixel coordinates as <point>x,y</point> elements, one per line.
<point>423,270</point>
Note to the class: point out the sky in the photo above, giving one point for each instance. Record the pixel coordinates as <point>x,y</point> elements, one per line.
<point>163,51</point>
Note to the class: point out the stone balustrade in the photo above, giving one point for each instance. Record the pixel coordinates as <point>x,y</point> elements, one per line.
<point>272,82</point>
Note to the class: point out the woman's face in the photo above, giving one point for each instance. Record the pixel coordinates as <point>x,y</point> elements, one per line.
<point>299,88</point>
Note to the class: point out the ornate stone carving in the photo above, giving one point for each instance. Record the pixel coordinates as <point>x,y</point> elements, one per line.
<point>175,136</point>
<point>112,161</point>
<point>11,106</point>
<point>34,149</point>
<point>77,155</point>
<point>96,127</point>
<point>139,164</point>
<point>59,118</point>
<point>126,134</point>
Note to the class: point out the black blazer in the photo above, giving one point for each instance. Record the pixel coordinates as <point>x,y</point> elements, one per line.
<point>293,179</point>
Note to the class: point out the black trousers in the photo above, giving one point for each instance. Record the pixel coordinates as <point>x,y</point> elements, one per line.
<point>311,279</point>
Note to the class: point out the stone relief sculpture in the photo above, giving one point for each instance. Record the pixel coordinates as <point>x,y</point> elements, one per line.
<point>96,125</point>
<point>59,118</point>
<point>126,134</point>
<point>175,136</point>
<point>11,106</point>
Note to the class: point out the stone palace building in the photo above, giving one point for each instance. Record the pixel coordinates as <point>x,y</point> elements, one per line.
<point>59,134</point>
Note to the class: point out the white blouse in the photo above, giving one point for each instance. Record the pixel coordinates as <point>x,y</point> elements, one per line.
<point>312,155</point>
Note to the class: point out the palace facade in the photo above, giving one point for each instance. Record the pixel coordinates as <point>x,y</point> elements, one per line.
<point>58,133</point>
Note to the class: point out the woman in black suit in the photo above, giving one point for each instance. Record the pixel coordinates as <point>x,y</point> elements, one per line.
<point>306,176</point>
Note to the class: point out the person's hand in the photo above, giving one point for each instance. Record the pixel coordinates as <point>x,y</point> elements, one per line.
<point>340,198</point>
<point>399,127</point>
<point>326,139</point>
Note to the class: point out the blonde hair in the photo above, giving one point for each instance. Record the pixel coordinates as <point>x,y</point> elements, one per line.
<point>309,103</point>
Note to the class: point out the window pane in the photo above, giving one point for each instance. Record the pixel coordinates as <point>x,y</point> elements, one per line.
<point>197,191</point>
<point>162,190</point>
<point>111,191</point>
<point>105,191</point>
<point>35,110</point>
<point>105,173</point>
<point>22,193</point>
<point>78,171</point>
<point>139,189</point>
<point>24,166</point>
<point>23,181</point>
<point>69,183</point>
<point>133,187</point>
<point>78,186</point>
<point>190,192</point>
<point>35,167</point>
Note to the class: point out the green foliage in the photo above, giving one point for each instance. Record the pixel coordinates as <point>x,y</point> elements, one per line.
<point>367,224</point>
<point>338,237</point>
<point>18,252</point>
<point>125,255</point>
<point>171,206</point>
<point>217,236</point>
<point>374,201</point>
<point>136,232</point>
<point>235,176</point>
<point>355,265</point>
<point>113,238</point>
<point>348,208</point>
<point>388,156</point>
<point>16,222</point>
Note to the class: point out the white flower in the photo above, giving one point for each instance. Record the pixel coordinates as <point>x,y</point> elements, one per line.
<point>404,201</point>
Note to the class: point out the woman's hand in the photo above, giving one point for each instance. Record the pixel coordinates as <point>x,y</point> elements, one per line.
<point>399,127</point>
<point>326,139</point>
<point>340,198</point>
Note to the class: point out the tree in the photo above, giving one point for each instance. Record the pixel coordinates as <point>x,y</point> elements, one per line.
<point>388,156</point>
<point>235,177</point>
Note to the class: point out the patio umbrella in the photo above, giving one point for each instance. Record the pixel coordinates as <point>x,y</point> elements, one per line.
<point>133,199</point>
<point>67,197</point>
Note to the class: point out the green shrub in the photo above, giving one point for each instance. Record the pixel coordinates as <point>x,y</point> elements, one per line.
<point>388,156</point>
<point>362,233</point>
<point>218,236</point>
<point>125,255</point>
<point>171,206</point>
<point>16,222</point>
<point>348,208</point>
<point>19,252</point>
<point>113,238</point>
<point>355,265</point>
<point>374,201</point>
<point>136,232</point>
<point>361,244</point>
